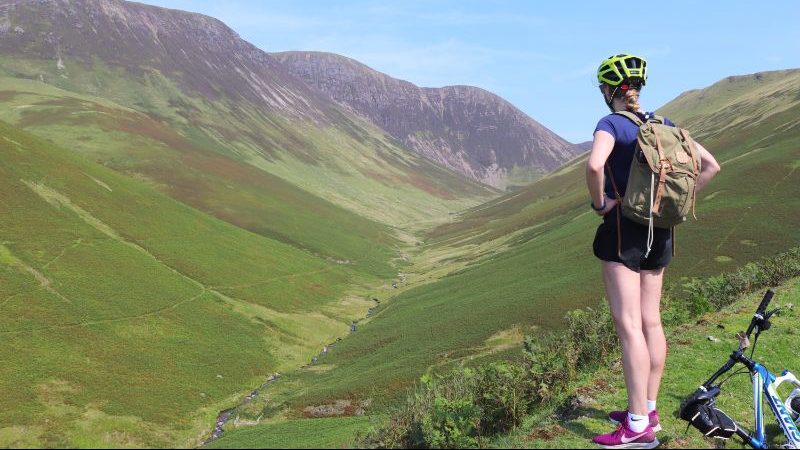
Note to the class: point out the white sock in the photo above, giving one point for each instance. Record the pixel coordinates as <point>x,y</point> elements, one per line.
<point>638,424</point>
<point>651,406</point>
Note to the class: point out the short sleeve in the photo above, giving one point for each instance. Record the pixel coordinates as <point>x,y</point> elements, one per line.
<point>607,125</point>
<point>668,122</point>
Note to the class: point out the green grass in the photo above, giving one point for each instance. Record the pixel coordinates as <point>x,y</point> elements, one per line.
<point>215,243</point>
<point>303,433</point>
<point>692,359</point>
<point>128,317</point>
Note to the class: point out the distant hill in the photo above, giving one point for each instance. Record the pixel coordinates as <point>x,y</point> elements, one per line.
<point>461,127</point>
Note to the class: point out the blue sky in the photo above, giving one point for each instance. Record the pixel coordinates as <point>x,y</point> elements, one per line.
<point>541,56</point>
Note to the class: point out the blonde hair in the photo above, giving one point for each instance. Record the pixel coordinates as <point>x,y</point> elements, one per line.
<point>631,98</point>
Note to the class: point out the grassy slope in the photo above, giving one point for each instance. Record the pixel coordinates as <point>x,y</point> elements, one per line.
<point>313,208</point>
<point>524,260</point>
<point>346,161</point>
<point>137,145</point>
<point>692,359</point>
<point>118,326</point>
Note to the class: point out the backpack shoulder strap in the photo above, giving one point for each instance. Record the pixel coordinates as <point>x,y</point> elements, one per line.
<point>632,117</point>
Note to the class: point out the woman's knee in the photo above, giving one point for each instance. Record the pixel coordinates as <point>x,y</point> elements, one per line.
<point>652,323</point>
<point>628,326</point>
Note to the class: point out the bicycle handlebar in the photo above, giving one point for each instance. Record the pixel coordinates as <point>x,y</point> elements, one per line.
<point>760,312</point>
<point>762,308</point>
<point>738,356</point>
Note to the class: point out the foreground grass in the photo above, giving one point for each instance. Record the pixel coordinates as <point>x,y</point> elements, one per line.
<point>692,359</point>
<point>302,433</point>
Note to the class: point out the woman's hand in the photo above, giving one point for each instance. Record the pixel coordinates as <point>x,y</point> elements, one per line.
<point>611,203</point>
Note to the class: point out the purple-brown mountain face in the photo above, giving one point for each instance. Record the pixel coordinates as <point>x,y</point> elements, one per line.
<point>205,55</point>
<point>464,128</point>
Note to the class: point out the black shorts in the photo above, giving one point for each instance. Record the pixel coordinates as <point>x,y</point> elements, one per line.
<point>633,246</point>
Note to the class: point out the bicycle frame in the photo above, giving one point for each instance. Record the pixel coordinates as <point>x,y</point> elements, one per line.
<point>765,383</point>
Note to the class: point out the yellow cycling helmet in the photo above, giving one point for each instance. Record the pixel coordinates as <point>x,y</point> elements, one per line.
<point>623,69</point>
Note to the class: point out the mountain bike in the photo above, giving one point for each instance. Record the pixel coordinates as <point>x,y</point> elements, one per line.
<point>700,409</point>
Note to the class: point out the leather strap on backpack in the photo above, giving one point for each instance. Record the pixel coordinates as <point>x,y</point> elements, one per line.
<point>618,208</point>
<point>662,173</point>
<point>673,242</point>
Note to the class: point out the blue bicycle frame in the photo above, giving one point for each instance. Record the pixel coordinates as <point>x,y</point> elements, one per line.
<point>765,383</point>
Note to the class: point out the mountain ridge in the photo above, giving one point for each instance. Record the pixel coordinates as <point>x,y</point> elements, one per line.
<point>465,128</point>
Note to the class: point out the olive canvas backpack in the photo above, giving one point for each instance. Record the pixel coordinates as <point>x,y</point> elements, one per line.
<point>662,184</point>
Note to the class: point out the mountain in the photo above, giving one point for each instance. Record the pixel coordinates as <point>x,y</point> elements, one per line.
<point>196,77</point>
<point>463,128</point>
<point>516,265</point>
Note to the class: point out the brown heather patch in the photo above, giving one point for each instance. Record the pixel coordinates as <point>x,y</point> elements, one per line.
<point>546,434</point>
<point>412,179</point>
<point>8,95</point>
<point>142,125</point>
<point>428,186</point>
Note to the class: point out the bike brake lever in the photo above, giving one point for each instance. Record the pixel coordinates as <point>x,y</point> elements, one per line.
<point>772,313</point>
<point>744,340</point>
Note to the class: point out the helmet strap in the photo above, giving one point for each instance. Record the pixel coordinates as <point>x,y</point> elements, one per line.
<point>610,101</point>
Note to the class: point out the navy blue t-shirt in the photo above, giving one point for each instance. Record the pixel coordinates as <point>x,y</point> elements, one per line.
<point>625,133</point>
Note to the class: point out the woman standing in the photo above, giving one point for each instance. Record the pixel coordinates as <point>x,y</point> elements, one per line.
<point>633,271</point>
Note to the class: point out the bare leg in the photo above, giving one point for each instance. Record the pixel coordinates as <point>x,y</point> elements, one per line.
<point>651,282</point>
<point>623,292</point>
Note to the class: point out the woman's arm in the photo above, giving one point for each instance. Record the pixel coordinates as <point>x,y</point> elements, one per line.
<point>601,150</point>
<point>709,167</point>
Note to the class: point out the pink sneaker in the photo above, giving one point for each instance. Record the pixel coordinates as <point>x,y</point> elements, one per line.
<point>617,417</point>
<point>625,438</point>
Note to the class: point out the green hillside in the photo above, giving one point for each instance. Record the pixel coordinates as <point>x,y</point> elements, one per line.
<point>519,263</point>
<point>129,318</point>
<point>207,176</point>
<point>345,160</point>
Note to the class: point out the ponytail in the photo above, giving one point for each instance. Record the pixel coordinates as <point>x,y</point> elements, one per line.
<point>631,97</point>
